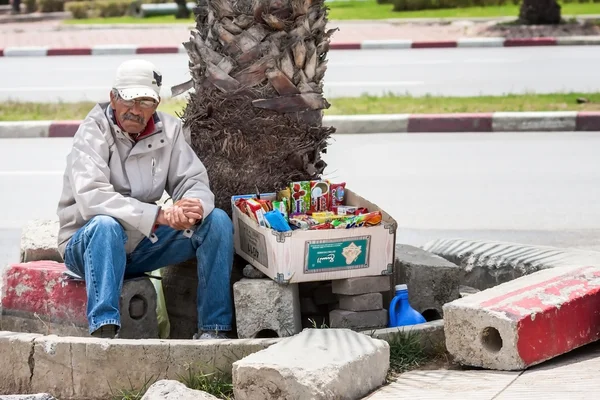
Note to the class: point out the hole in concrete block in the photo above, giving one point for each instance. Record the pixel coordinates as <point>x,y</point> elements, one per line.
<point>431,314</point>
<point>491,339</point>
<point>137,307</point>
<point>266,333</point>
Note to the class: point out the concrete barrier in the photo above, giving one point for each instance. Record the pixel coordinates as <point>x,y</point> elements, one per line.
<point>73,368</point>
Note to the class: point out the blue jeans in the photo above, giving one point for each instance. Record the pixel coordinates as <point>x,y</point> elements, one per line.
<point>97,253</point>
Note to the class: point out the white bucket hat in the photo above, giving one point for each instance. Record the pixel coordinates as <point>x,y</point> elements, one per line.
<point>138,78</point>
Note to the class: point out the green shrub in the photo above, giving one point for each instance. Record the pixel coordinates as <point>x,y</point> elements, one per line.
<point>79,9</point>
<point>417,5</point>
<point>46,6</point>
<point>31,6</point>
<point>111,8</point>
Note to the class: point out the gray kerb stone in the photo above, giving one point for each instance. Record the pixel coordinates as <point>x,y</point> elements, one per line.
<point>92,369</point>
<point>430,335</point>
<point>358,320</point>
<point>354,286</point>
<point>490,263</point>
<point>265,305</point>
<point>175,390</point>
<point>361,302</point>
<point>432,281</point>
<point>38,396</point>
<point>316,364</point>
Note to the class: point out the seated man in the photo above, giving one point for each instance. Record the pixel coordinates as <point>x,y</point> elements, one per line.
<point>125,155</point>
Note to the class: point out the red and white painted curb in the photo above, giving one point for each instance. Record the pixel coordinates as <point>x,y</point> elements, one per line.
<point>131,49</point>
<point>563,121</point>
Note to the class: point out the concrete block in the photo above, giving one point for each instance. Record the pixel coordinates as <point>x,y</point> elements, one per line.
<point>138,310</point>
<point>15,352</point>
<point>526,321</point>
<point>368,284</point>
<point>316,364</point>
<point>39,396</point>
<point>432,281</point>
<point>174,390</point>
<point>180,287</point>
<point>308,306</point>
<point>252,273</point>
<point>39,241</point>
<point>39,298</point>
<point>323,295</point>
<point>430,335</point>
<point>490,263</point>
<point>358,320</point>
<point>361,302</point>
<point>263,304</point>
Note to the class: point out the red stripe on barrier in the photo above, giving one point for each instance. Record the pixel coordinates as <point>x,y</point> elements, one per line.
<point>157,50</point>
<point>433,45</point>
<point>63,129</point>
<point>450,123</point>
<point>588,121</point>
<point>541,41</point>
<point>345,46</point>
<point>69,52</point>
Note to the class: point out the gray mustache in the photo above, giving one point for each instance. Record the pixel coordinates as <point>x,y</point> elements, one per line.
<point>132,117</point>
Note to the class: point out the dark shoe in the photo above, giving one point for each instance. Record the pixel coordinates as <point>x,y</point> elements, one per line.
<point>210,335</point>
<point>106,332</point>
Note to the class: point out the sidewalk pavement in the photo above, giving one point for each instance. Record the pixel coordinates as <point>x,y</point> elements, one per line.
<point>573,376</point>
<point>564,121</point>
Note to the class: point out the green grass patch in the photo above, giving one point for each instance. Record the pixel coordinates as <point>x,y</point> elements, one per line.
<point>344,10</point>
<point>24,111</point>
<point>159,19</point>
<point>217,384</point>
<point>365,10</point>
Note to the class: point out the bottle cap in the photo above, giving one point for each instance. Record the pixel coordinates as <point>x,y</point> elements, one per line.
<point>401,287</point>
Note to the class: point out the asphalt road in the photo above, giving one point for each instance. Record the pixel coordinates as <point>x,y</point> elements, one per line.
<point>535,188</point>
<point>451,72</point>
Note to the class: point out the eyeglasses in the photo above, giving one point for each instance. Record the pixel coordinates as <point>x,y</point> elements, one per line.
<point>144,104</point>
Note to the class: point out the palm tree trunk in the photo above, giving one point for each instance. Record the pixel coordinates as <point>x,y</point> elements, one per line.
<point>540,12</point>
<point>256,115</point>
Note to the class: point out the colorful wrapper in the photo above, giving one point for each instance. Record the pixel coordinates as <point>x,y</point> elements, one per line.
<point>300,192</point>
<point>320,197</point>
<point>338,193</point>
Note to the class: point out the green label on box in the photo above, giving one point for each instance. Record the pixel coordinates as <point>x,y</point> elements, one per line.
<point>335,254</point>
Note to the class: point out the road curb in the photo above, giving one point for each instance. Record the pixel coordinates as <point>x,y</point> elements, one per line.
<point>562,121</point>
<point>131,49</point>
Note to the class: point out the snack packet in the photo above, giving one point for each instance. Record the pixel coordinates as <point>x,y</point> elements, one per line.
<point>256,212</point>
<point>282,206</point>
<point>320,198</point>
<point>285,195</point>
<point>300,192</point>
<point>327,216</point>
<point>344,210</point>
<point>277,221</point>
<point>357,221</point>
<point>326,225</point>
<point>338,193</point>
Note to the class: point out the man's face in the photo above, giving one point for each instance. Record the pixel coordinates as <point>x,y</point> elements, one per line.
<point>133,115</point>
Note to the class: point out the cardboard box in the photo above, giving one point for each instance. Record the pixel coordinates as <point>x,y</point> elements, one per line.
<point>319,255</point>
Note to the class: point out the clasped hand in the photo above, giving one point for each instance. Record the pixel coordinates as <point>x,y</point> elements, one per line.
<point>183,214</point>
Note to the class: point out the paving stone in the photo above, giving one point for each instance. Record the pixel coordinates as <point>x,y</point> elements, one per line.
<point>314,365</point>
<point>526,321</point>
<point>43,300</point>
<point>361,302</point>
<point>174,390</point>
<point>432,281</point>
<point>263,304</point>
<point>39,241</point>
<point>358,319</point>
<point>368,284</point>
